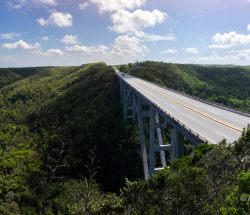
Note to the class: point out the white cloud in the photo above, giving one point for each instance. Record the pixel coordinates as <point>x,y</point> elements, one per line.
<point>124,46</point>
<point>99,49</point>
<point>242,54</point>
<point>21,45</point>
<point>125,21</point>
<point>152,37</point>
<point>115,5</point>
<point>45,38</point>
<point>248,27</point>
<point>70,39</point>
<point>83,5</point>
<point>17,4</point>
<point>170,51</point>
<point>191,50</point>
<point>58,19</point>
<point>9,36</point>
<point>229,40</point>
<point>46,2</point>
<point>42,21</point>
<point>49,52</point>
<point>232,57</point>
<point>128,46</point>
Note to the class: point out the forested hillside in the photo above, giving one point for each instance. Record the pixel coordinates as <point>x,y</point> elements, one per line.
<point>66,150</point>
<point>227,85</point>
<point>60,124</point>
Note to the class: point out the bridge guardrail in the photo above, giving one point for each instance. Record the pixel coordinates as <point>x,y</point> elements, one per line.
<point>244,113</point>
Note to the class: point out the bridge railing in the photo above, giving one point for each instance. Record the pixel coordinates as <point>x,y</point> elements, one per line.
<point>221,106</point>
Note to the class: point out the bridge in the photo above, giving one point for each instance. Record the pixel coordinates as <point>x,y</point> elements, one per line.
<point>182,117</point>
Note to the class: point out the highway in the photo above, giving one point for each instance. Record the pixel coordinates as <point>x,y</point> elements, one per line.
<point>210,122</point>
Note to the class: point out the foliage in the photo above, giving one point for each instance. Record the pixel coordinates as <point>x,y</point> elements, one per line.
<point>50,120</point>
<point>197,186</point>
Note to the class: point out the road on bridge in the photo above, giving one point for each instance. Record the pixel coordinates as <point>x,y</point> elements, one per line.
<point>210,122</point>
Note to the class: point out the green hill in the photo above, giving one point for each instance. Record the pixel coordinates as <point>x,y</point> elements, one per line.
<point>50,121</point>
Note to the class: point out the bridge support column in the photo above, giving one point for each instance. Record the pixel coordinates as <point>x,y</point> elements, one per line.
<point>155,134</point>
<point>160,140</point>
<point>133,110</point>
<point>152,141</point>
<point>138,108</point>
<point>128,104</point>
<point>177,144</point>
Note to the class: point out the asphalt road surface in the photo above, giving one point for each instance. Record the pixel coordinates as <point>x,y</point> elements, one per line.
<point>210,122</point>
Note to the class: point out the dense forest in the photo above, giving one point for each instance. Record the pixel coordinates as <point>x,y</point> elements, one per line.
<point>66,150</point>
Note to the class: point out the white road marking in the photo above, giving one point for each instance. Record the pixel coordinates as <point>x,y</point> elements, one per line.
<point>190,117</point>
<point>223,135</point>
<point>195,105</point>
<point>213,111</point>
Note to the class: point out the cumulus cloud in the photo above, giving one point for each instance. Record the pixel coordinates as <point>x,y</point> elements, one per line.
<point>83,5</point>
<point>123,46</point>
<point>169,51</point>
<point>70,39</point>
<point>191,50</point>
<point>9,36</point>
<point>125,21</point>
<point>152,37</point>
<point>49,52</point>
<point>128,46</point>
<point>115,5</point>
<point>57,19</point>
<point>21,45</point>
<point>99,49</point>
<point>229,40</point>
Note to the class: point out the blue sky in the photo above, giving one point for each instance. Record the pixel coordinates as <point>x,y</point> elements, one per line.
<point>74,32</point>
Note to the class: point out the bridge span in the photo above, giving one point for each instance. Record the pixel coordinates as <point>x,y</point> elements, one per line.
<point>187,119</point>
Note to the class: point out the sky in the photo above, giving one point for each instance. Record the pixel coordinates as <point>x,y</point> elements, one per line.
<point>75,32</point>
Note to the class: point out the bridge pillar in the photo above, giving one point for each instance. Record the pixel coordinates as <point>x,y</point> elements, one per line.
<point>133,110</point>
<point>177,144</point>
<point>160,140</point>
<point>155,134</point>
<point>138,109</point>
<point>152,141</point>
<point>125,103</point>
<point>128,104</point>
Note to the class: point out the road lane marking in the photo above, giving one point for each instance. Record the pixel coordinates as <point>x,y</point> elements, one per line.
<point>192,109</point>
<point>223,135</point>
<point>190,117</point>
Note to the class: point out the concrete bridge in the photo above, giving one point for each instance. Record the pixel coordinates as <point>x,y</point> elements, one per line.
<point>186,118</point>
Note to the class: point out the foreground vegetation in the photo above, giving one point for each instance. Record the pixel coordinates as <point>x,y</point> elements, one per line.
<point>65,149</point>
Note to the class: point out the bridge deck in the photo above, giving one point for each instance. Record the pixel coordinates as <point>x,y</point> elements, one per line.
<point>210,122</point>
